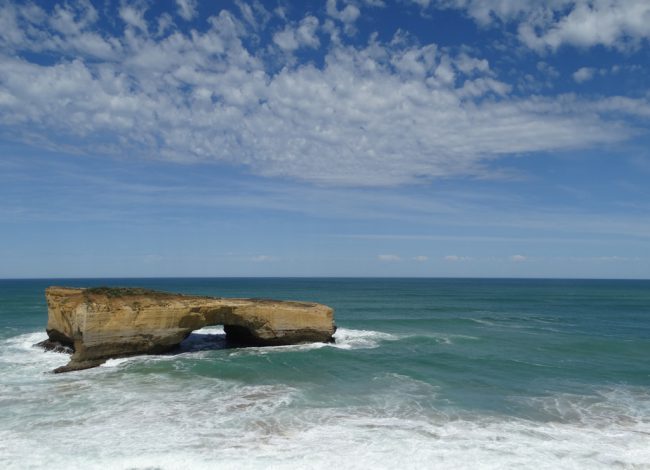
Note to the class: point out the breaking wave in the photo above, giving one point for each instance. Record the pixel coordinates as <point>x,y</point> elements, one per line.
<point>144,419</point>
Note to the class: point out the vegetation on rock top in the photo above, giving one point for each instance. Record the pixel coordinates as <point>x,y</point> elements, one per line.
<point>124,291</point>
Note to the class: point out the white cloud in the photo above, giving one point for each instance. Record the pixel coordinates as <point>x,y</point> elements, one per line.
<point>381,114</point>
<point>456,258</point>
<point>186,9</point>
<point>306,32</point>
<point>68,30</point>
<point>286,39</point>
<point>551,24</point>
<point>254,13</point>
<point>347,15</point>
<point>421,258</point>
<point>467,64</point>
<point>67,19</point>
<point>584,74</point>
<point>518,258</point>
<point>304,35</point>
<point>611,23</point>
<point>486,11</point>
<point>262,258</point>
<point>389,258</point>
<point>616,258</point>
<point>133,17</point>
<point>548,70</point>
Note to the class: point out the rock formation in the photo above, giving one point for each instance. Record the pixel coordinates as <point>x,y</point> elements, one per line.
<point>102,323</point>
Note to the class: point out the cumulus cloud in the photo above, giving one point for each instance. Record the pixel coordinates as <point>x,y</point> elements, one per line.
<point>304,35</point>
<point>421,258</point>
<point>389,258</point>
<point>348,14</point>
<point>518,258</point>
<point>619,24</point>
<point>611,23</point>
<point>455,258</point>
<point>382,113</point>
<point>583,74</point>
<point>262,258</point>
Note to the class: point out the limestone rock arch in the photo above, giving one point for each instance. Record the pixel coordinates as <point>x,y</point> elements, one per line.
<point>102,323</point>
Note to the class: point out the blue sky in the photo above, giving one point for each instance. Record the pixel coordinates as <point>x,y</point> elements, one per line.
<point>494,138</point>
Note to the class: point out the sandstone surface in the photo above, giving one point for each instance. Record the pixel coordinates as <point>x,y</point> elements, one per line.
<point>102,323</point>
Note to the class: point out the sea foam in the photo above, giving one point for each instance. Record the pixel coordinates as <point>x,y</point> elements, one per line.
<point>142,418</point>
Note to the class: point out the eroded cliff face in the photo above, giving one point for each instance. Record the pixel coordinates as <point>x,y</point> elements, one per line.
<point>103,323</point>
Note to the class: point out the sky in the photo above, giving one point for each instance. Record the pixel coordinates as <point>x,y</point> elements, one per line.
<point>442,138</point>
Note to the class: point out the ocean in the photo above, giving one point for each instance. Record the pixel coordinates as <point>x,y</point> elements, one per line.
<point>425,373</point>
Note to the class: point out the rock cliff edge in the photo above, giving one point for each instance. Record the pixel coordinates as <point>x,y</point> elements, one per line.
<point>100,323</point>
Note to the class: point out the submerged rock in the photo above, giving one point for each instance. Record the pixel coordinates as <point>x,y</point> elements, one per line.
<point>55,346</point>
<point>103,323</point>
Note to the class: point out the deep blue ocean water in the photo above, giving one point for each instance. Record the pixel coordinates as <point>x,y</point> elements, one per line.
<point>425,373</point>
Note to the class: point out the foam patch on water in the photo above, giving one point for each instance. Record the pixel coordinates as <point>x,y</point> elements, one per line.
<point>615,405</point>
<point>166,426</point>
<point>344,338</point>
<point>445,338</point>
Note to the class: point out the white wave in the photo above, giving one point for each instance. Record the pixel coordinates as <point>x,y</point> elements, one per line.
<point>19,351</point>
<point>210,330</point>
<point>360,339</point>
<point>263,350</point>
<point>19,354</point>
<point>482,321</point>
<point>107,418</point>
<point>344,338</point>
<point>217,424</point>
<point>363,339</point>
<point>201,339</point>
<point>115,362</point>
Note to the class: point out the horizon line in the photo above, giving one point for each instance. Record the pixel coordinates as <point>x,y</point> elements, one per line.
<point>540,278</point>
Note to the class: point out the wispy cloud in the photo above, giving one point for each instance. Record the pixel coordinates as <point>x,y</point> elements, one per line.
<point>418,112</point>
<point>456,258</point>
<point>187,9</point>
<point>263,258</point>
<point>389,258</point>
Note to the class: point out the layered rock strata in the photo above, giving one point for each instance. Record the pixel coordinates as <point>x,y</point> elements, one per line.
<point>102,323</point>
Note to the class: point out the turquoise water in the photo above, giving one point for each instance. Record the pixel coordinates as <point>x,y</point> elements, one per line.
<point>425,373</point>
